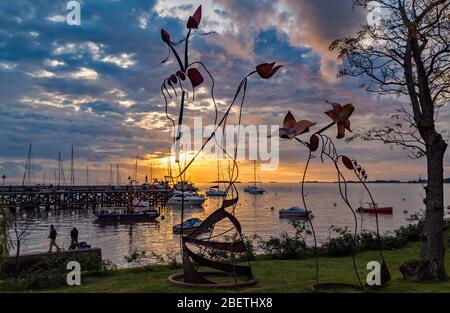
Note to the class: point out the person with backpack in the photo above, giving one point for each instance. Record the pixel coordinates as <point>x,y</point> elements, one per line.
<point>52,236</point>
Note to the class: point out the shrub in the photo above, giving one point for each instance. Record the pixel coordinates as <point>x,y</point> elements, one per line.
<point>286,246</point>
<point>343,245</point>
<point>227,257</point>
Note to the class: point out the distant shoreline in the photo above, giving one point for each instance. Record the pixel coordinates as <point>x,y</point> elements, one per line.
<point>446,181</point>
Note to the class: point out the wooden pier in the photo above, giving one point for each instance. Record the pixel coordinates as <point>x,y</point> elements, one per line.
<point>53,197</point>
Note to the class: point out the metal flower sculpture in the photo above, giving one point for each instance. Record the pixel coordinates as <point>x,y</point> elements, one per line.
<point>340,116</point>
<point>291,128</point>
<point>192,245</point>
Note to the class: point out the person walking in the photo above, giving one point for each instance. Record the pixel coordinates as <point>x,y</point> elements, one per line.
<point>74,239</point>
<point>52,236</point>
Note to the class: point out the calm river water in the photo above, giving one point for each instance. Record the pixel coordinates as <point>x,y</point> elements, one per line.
<point>253,212</point>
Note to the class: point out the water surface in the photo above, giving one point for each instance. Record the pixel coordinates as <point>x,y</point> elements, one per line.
<point>253,211</point>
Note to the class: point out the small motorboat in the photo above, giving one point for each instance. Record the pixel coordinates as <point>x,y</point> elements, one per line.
<point>186,198</point>
<point>372,209</point>
<point>295,212</point>
<point>189,225</point>
<point>214,191</point>
<point>123,215</point>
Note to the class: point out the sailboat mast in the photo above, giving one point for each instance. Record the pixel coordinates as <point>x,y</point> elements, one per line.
<point>59,168</point>
<point>111,174</point>
<point>151,172</point>
<point>135,174</point>
<point>72,170</point>
<point>254,173</point>
<point>218,175</point>
<point>117,175</point>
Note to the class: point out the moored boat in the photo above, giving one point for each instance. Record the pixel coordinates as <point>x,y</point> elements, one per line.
<point>295,212</point>
<point>138,210</point>
<point>186,198</point>
<point>188,225</point>
<point>123,215</point>
<point>254,190</point>
<point>185,186</point>
<point>375,209</point>
<point>214,191</point>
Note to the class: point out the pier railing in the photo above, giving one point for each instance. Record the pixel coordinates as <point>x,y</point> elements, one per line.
<point>61,197</point>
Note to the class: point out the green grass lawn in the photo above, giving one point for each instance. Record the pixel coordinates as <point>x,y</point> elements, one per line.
<point>274,275</point>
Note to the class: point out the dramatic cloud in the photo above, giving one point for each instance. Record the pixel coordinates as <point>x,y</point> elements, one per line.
<point>96,86</point>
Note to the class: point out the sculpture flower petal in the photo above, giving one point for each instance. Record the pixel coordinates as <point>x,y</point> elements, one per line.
<point>347,162</point>
<point>181,75</point>
<point>194,20</point>
<point>267,70</point>
<point>314,142</point>
<point>340,115</point>
<point>165,36</point>
<point>291,128</point>
<point>195,77</point>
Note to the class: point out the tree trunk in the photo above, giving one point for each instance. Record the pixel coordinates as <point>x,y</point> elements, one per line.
<point>433,244</point>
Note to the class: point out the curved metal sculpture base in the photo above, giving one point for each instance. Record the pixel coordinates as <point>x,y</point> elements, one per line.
<point>334,287</point>
<point>177,279</point>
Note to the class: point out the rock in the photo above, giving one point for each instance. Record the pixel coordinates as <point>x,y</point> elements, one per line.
<point>415,271</point>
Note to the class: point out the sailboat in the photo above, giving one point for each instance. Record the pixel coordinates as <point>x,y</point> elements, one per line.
<point>254,190</point>
<point>214,191</point>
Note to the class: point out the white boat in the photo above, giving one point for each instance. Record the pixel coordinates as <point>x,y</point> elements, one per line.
<point>186,198</point>
<point>215,192</point>
<point>189,225</point>
<point>295,212</point>
<point>254,190</point>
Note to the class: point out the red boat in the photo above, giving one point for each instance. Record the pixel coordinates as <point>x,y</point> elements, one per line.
<point>376,209</point>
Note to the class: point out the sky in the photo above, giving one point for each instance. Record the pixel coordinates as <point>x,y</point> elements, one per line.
<point>96,86</point>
